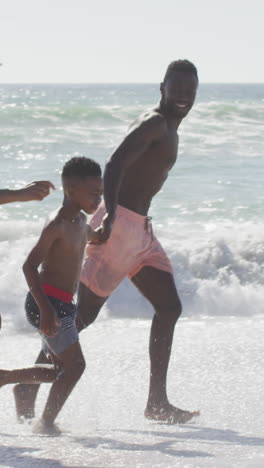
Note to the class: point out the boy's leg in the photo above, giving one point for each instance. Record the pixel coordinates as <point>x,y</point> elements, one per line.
<point>26,394</point>
<point>37,374</point>
<point>89,305</point>
<point>72,365</point>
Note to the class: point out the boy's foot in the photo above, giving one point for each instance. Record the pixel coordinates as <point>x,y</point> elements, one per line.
<point>23,401</point>
<point>170,414</point>
<point>42,427</point>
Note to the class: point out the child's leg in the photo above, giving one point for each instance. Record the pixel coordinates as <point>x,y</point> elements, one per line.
<point>26,394</point>
<point>72,365</point>
<point>29,375</point>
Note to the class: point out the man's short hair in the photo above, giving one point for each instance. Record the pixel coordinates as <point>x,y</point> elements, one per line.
<point>81,167</point>
<point>180,66</point>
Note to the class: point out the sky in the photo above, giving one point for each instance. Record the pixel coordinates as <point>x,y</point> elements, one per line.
<point>86,41</point>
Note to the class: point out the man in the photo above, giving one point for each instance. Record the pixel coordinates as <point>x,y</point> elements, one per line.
<point>126,245</point>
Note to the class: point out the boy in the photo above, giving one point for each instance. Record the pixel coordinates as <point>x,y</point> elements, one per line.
<point>34,191</point>
<point>49,306</point>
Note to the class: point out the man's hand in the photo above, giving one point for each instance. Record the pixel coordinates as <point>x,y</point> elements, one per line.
<point>36,190</point>
<point>49,322</point>
<point>103,232</point>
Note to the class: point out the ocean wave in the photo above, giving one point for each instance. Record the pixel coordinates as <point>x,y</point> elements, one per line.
<point>246,111</point>
<point>76,111</point>
<point>219,271</point>
<point>51,115</point>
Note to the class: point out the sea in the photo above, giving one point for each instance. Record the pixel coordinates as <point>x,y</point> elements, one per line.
<point>209,214</point>
<point>209,218</point>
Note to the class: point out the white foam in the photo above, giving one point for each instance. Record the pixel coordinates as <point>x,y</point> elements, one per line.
<point>218,271</point>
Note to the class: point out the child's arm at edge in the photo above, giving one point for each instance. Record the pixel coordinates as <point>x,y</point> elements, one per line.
<point>34,191</point>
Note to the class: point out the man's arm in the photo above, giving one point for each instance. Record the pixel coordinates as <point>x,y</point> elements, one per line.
<point>48,236</point>
<point>34,191</point>
<point>130,150</point>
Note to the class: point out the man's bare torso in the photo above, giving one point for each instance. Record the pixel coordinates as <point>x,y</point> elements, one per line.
<point>145,177</point>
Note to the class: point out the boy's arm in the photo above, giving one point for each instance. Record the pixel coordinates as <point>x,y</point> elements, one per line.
<point>48,236</point>
<point>34,191</point>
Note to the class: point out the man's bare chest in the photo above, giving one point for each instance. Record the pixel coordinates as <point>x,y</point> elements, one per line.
<point>163,153</point>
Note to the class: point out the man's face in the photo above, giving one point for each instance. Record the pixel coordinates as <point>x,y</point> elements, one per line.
<point>179,92</point>
<point>88,193</point>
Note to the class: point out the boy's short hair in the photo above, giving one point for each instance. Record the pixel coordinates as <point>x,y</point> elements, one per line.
<point>81,167</point>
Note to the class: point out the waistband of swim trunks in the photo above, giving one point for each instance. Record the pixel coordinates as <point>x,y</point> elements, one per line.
<point>57,293</point>
<point>132,215</point>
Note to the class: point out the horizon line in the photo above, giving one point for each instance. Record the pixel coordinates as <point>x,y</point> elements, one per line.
<point>122,83</point>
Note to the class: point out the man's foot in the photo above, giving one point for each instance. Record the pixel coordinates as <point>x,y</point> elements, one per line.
<point>43,427</point>
<point>23,401</point>
<point>170,414</point>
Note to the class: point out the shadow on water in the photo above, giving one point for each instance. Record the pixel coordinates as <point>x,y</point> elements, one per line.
<point>163,447</point>
<point>18,457</point>
<point>13,457</point>
<point>205,434</point>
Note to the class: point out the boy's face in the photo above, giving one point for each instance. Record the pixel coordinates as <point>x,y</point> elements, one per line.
<point>87,193</point>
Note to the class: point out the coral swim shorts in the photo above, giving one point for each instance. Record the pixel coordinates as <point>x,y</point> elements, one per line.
<point>131,246</point>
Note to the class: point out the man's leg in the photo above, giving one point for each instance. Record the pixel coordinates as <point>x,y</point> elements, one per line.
<point>159,288</point>
<point>88,306</point>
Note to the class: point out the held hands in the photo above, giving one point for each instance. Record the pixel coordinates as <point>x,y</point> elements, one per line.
<point>49,323</point>
<point>102,233</point>
<point>36,190</point>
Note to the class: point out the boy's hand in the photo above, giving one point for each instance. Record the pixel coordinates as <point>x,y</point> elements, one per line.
<point>92,235</point>
<point>36,190</point>
<point>49,322</point>
<point>103,232</point>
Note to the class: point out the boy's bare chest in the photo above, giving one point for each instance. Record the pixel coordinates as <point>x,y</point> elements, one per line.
<point>73,241</point>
